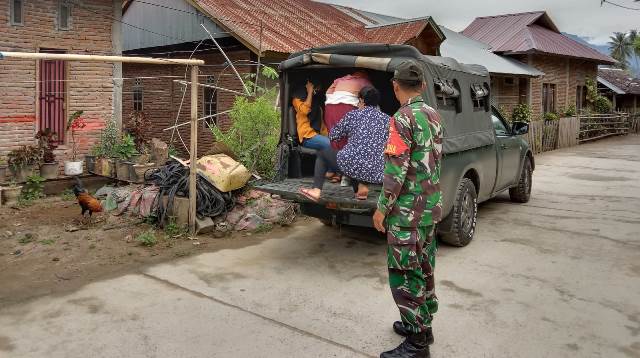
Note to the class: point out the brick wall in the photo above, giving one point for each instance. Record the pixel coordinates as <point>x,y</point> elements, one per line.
<point>506,92</point>
<point>162,96</point>
<point>89,86</point>
<point>565,73</point>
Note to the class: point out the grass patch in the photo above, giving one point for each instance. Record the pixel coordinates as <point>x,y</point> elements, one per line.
<point>173,231</point>
<point>47,242</point>
<point>147,238</point>
<point>27,238</point>
<point>67,195</point>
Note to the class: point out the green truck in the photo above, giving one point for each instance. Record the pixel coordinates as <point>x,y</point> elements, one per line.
<point>484,155</point>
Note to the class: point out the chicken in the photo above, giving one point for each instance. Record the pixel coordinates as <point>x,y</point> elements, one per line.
<point>85,200</point>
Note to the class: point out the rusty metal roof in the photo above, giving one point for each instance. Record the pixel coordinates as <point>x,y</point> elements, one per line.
<point>619,81</point>
<point>531,32</point>
<point>287,26</point>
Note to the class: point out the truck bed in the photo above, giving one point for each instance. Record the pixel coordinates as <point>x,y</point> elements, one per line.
<point>332,194</point>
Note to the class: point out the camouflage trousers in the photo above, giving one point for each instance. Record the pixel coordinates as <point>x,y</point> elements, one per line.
<point>411,257</point>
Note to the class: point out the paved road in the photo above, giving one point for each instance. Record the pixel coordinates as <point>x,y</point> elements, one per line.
<point>557,277</point>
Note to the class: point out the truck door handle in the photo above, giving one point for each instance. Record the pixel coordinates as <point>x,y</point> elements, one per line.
<point>503,146</point>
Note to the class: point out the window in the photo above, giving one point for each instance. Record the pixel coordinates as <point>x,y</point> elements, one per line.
<point>210,101</point>
<point>64,15</point>
<point>138,95</point>
<point>581,97</point>
<point>447,94</point>
<point>17,12</point>
<point>480,96</point>
<point>499,126</point>
<point>548,98</point>
<point>509,81</point>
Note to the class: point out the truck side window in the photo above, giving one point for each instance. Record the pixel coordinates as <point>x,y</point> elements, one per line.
<point>480,97</point>
<point>447,94</point>
<point>499,126</point>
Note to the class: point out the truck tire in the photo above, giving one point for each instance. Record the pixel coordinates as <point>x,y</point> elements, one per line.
<point>464,215</point>
<point>522,191</point>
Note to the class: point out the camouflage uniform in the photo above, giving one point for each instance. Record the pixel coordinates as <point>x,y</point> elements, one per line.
<point>412,202</point>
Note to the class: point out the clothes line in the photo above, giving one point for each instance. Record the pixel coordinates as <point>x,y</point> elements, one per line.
<point>187,83</point>
<point>97,58</point>
<point>199,119</point>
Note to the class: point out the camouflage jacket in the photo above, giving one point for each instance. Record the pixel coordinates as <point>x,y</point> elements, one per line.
<point>411,195</point>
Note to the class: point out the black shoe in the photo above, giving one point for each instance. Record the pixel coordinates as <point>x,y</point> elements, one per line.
<point>414,346</point>
<point>398,327</point>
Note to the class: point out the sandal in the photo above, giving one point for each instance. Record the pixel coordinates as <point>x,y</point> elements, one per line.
<point>306,194</point>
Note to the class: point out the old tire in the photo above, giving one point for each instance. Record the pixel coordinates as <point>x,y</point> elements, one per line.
<point>464,215</point>
<point>522,192</point>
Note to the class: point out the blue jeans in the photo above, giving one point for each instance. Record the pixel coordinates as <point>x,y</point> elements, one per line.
<point>317,142</point>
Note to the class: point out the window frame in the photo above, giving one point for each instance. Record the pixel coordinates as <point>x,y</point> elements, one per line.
<point>546,89</point>
<point>447,101</point>
<point>138,89</point>
<point>502,121</point>
<point>67,5</point>
<point>480,103</point>
<point>206,104</point>
<point>12,7</point>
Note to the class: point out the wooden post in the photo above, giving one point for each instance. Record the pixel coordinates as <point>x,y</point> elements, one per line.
<point>193,171</point>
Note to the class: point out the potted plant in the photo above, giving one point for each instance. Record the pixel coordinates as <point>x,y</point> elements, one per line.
<point>125,150</point>
<point>47,144</point>
<point>23,161</point>
<point>75,123</point>
<point>11,193</point>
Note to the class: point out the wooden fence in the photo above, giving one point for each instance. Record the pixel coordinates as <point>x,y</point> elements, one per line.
<point>598,126</point>
<point>634,123</point>
<point>544,136</point>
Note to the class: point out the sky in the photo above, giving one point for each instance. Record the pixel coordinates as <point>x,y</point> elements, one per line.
<point>580,17</point>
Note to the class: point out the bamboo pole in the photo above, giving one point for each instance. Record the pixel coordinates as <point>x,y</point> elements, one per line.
<point>194,150</point>
<point>97,58</point>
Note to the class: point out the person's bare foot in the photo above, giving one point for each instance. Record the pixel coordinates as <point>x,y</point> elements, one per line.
<point>363,192</point>
<point>312,194</point>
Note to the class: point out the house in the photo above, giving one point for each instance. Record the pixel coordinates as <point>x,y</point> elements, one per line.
<point>510,78</point>
<point>249,32</point>
<point>37,95</point>
<point>621,88</point>
<point>533,39</point>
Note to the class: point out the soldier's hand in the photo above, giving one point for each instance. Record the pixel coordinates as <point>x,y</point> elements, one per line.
<point>378,221</point>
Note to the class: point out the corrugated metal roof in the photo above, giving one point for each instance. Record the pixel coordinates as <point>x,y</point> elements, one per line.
<point>469,51</point>
<point>288,26</point>
<point>619,81</point>
<point>527,33</point>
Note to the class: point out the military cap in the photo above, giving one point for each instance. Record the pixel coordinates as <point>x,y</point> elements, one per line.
<point>408,71</point>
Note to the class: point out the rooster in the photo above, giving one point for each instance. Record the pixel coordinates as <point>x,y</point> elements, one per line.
<point>85,200</point>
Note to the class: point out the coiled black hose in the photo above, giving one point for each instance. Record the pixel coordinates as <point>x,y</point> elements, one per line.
<point>173,180</point>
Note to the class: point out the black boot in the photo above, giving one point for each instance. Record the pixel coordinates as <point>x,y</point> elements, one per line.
<point>398,327</point>
<point>414,346</point>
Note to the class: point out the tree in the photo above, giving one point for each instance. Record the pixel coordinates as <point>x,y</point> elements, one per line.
<point>621,48</point>
<point>634,42</point>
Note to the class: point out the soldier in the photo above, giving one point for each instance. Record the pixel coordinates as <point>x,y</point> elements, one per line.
<point>411,203</point>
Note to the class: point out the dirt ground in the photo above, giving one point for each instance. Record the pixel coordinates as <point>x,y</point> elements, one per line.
<point>47,249</point>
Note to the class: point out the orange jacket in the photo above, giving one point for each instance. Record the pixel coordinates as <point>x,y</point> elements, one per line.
<point>302,121</point>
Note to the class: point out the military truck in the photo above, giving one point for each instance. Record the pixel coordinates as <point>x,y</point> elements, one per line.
<point>483,155</point>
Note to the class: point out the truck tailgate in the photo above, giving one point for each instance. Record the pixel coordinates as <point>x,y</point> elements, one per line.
<point>332,194</point>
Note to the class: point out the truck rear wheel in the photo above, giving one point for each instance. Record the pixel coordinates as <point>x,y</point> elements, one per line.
<point>522,192</point>
<point>463,215</point>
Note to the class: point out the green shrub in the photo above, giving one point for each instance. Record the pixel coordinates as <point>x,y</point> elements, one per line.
<point>602,105</point>
<point>109,138</point>
<point>522,113</point>
<point>173,230</point>
<point>32,190</point>
<point>126,147</point>
<point>254,134</point>
<point>147,238</point>
<point>570,111</point>
<point>550,116</point>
